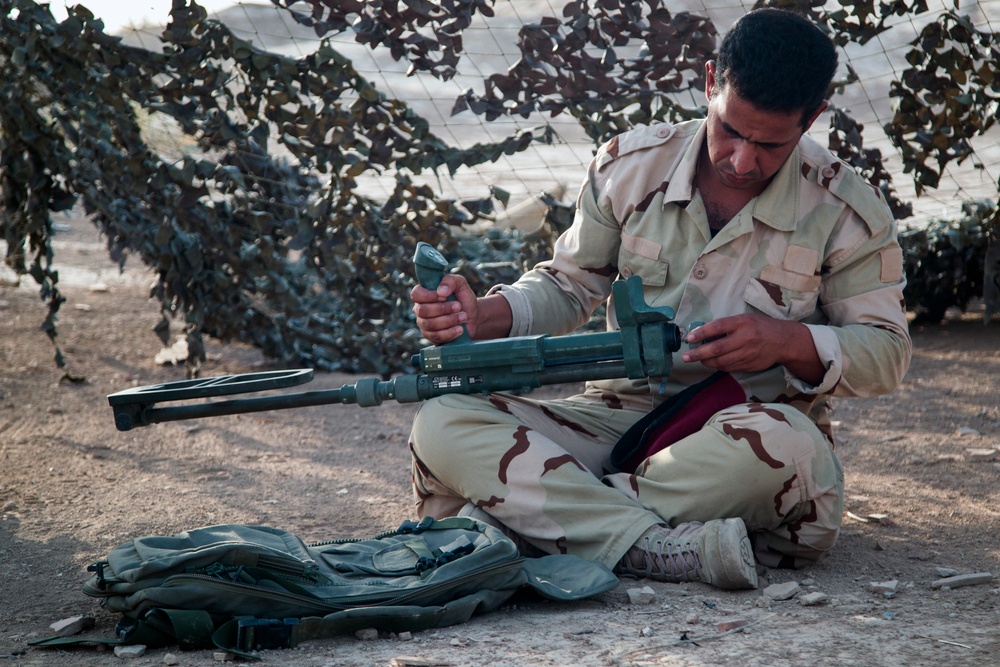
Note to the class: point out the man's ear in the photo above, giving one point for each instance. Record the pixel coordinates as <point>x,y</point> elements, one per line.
<point>709,79</point>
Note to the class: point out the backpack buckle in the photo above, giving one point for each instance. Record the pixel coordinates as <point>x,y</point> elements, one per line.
<point>410,527</point>
<point>257,634</point>
<point>98,570</point>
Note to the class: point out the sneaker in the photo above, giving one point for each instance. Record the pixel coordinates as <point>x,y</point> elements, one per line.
<point>717,553</point>
<point>527,549</point>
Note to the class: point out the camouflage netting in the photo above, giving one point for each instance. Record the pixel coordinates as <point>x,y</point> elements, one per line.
<point>260,233</point>
<point>945,261</point>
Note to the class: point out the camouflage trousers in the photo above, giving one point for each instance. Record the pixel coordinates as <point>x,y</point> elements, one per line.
<point>542,468</point>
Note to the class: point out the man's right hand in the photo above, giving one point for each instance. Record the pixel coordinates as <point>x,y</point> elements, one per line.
<point>440,320</point>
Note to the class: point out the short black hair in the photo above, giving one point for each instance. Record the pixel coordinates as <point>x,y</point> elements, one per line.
<point>778,61</point>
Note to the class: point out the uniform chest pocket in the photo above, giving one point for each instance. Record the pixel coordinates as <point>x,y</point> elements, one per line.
<point>783,294</point>
<point>640,257</point>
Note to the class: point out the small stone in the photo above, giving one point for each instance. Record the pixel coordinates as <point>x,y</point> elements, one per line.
<point>171,659</point>
<point>646,632</point>
<point>416,661</point>
<point>644,595</point>
<point>946,571</point>
<point>99,287</point>
<point>966,430</point>
<point>883,519</point>
<point>405,636</point>
<point>83,307</point>
<point>884,586</point>
<point>763,602</point>
<point>173,355</point>
<point>9,507</point>
<point>133,651</point>
<point>975,454</point>
<point>692,619</point>
<point>813,599</point>
<point>731,625</point>
<point>73,625</point>
<point>963,580</point>
<point>223,656</point>
<point>783,591</point>
<point>366,634</point>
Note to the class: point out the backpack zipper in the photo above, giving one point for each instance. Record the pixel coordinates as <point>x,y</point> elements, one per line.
<point>349,602</point>
<point>306,570</point>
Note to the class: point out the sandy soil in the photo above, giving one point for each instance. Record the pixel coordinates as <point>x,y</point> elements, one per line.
<point>72,488</point>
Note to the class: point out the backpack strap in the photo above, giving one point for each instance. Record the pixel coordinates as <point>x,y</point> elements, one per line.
<point>157,628</point>
<point>245,635</point>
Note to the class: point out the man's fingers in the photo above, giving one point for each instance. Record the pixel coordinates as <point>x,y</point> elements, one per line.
<point>441,320</point>
<point>452,284</point>
<point>421,294</point>
<point>713,330</point>
<point>708,348</point>
<point>441,323</point>
<point>444,336</point>
<point>433,309</point>
<point>443,329</point>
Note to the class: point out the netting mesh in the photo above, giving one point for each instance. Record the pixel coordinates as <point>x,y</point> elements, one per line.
<point>490,46</point>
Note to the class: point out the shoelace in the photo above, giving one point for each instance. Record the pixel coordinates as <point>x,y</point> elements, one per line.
<point>679,561</point>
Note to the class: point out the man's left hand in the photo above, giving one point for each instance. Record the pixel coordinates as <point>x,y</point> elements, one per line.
<point>750,342</point>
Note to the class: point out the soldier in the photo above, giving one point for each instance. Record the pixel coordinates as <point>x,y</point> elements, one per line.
<point>739,221</point>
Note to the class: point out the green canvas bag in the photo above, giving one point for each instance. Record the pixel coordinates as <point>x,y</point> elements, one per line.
<point>245,588</point>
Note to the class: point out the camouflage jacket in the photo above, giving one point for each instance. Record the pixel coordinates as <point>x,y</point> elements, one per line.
<point>817,246</point>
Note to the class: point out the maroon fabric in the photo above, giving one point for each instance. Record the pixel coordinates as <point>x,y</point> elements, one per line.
<point>676,418</point>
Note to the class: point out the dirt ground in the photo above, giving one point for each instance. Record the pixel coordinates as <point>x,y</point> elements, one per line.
<point>72,488</point>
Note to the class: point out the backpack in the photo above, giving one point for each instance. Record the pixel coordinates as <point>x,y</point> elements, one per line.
<point>247,588</point>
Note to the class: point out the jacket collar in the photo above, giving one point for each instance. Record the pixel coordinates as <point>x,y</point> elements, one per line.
<point>776,206</point>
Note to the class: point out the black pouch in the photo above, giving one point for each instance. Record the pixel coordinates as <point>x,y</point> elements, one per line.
<point>676,418</point>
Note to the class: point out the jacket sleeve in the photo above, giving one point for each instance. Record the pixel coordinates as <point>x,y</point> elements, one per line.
<point>559,295</point>
<point>866,345</point>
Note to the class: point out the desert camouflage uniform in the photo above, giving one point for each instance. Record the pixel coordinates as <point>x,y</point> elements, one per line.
<point>817,246</point>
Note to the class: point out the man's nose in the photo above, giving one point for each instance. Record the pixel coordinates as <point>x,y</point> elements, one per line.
<point>744,157</point>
